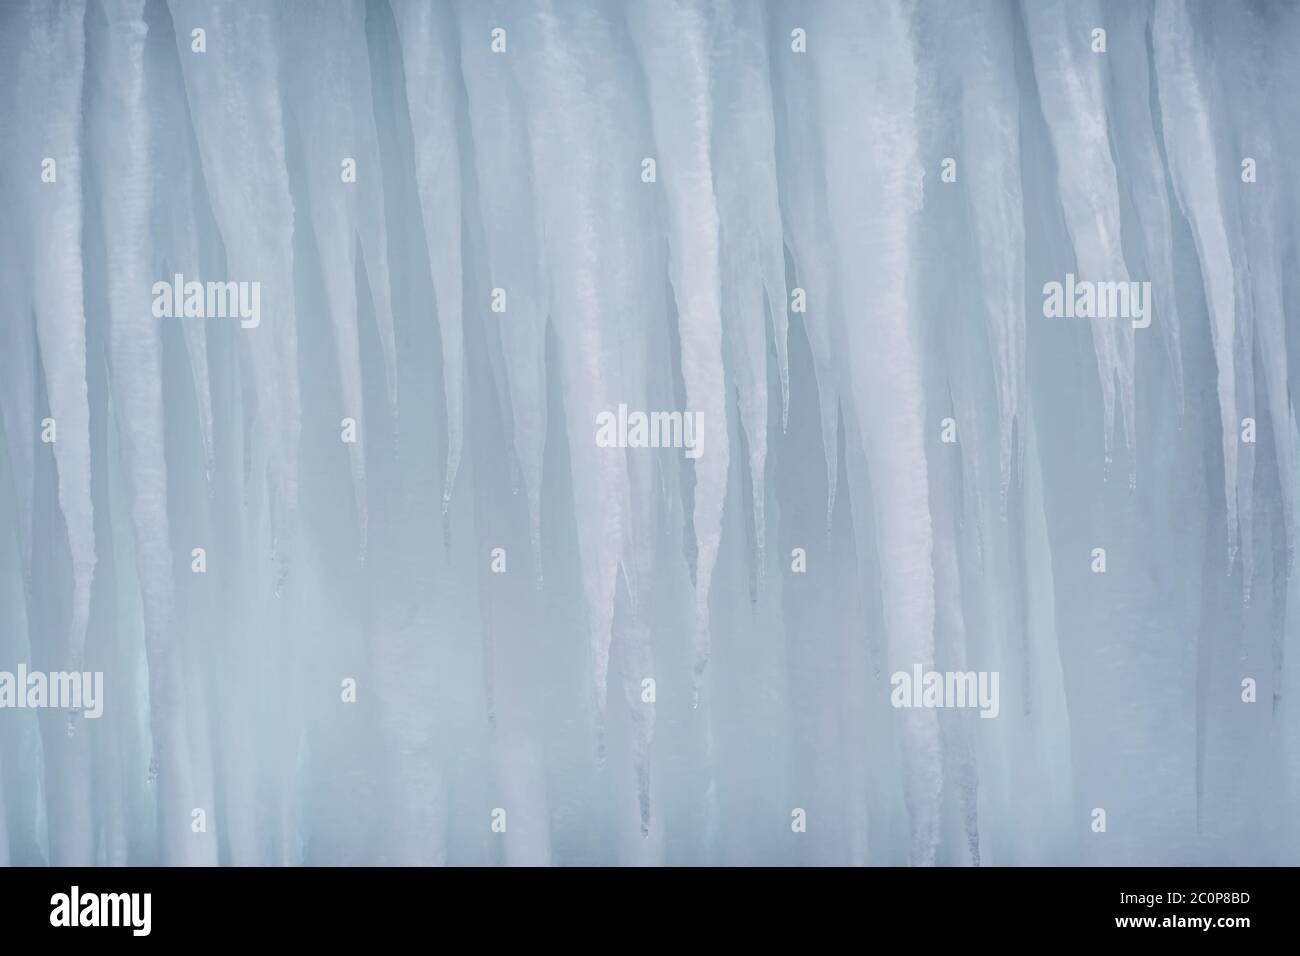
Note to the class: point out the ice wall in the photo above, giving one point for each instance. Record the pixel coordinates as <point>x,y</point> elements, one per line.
<point>564,431</point>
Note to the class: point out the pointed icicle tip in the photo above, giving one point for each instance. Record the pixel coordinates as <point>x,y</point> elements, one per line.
<point>697,685</point>
<point>702,652</point>
<point>535,543</point>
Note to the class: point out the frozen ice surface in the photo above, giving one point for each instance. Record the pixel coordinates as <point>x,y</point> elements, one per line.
<point>652,432</point>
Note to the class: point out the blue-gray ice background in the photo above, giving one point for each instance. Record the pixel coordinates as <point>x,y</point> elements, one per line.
<point>799,152</point>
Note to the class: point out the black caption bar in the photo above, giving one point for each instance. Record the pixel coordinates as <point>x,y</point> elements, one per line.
<point>212,906</point>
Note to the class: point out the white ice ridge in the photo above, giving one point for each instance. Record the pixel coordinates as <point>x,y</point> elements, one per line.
<point>1074,105</point>
<point>811,257</point>
<point>428,49</point>
<point>44,114</point>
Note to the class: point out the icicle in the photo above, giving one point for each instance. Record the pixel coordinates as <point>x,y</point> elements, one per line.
<point>752,257</point>
<point>232,88</point>
<point>174,217</point>
<point>322,71</point>
<point>1191,151</point>
<point>1142,168</point>
<point>48,124</point>
<point>567,168</point>
<point>635,266</point>
<point>979,47</point>
<point>369,205</point>
<point>805,217</point>
<point>672,41</point>
<point>1270,329</point>
<point>432,88</point>
<point>514,241</point>
<point>1074,106</point>
<point>1251,88</point>
<point>121,138</point>
<point>865,65</point>
<point>638,661</point>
